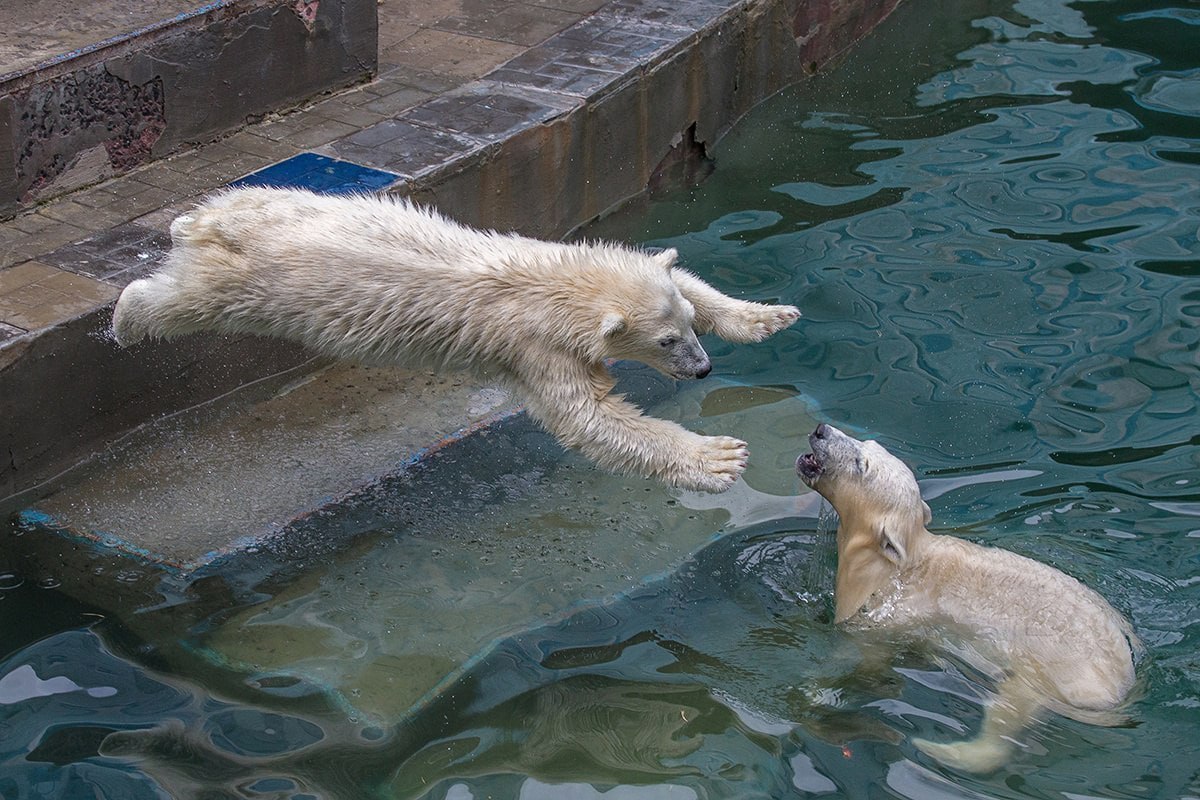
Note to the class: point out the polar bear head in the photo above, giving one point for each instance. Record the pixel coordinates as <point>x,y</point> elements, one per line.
<point>881,515</point>
<point>646,318</point>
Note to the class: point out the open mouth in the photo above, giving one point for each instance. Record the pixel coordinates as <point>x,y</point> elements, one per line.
<point>808,467</point>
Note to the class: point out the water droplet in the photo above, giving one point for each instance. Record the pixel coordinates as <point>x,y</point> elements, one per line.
<point>10,580</point>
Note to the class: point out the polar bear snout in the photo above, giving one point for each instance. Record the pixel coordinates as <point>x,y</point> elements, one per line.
<point>686,358</point>
<point>808,467</point>
<point>827,444</point>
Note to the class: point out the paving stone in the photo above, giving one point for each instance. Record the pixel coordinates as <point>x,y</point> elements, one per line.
<point>337,109</point>
<point>393,29</point>
<point>486,111</point>
<point>423,79</point>
<point>172,182</point>
<point>516,23</point>
<point>619,35</point>
<point>323,131</point>
<point>392,104</point>
<point>160,219</point>
<point>81,216</point>
<point>247,142</point>
<point>139,197</point>
<point>367,156</point>
<point>15,254</point>
<point>10,235</point>
<point>576,6</point>
<point>233,161</point>
<point>94,197</point>
<point>375,135</point>
<point>116,256</point>
<point>53,297</point>
<point>187,163</point>
<point>48,309</point>
<point>648,14</point>
<point>45,234</point>
<point>82,288</point>
<point>23,275</point>
<point>278,128</point>
<point>218,173</point>
<point>447,53</point>
<point>561,78</point>
<point>406,148</point>
<point>419,14</point>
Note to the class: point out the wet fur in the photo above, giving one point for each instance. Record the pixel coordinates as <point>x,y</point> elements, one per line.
<point>1058,644</point>
<point>381,281</point>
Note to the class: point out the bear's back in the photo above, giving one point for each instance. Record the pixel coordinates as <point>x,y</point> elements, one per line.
<point>1077,644</point>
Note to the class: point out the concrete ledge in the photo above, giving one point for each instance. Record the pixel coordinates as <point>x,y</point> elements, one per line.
<point>71,119</point>
<point>65,393</point>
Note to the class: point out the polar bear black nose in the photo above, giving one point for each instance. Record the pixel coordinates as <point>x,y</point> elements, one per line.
<point>707,368</point>
<point>822,431</point>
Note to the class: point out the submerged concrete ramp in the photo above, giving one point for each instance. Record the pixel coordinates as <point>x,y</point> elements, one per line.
<point>185,490</point>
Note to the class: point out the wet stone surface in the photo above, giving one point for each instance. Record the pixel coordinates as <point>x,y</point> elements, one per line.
<point>117,256</point>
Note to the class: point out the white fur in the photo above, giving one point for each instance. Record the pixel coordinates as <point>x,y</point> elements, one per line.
<point>382,281</point>
<point>1057,643</point>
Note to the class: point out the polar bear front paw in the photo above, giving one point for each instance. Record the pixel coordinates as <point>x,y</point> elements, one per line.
<point>753,322</point>
<point>717,461</point>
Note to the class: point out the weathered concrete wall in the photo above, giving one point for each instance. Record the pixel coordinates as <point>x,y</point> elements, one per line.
<point>103,113</point>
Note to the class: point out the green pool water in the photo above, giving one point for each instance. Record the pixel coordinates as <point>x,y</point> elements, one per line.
<point>988,215</point>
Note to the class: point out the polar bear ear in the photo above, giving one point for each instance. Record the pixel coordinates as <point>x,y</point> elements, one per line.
<point>891,546</point>
<point>612,324</point>
<point>666,258</point>
<point>928,513</point>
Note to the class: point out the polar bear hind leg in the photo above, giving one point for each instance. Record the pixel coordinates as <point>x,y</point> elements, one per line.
<point>1007,714</point>
<point>133,317</point>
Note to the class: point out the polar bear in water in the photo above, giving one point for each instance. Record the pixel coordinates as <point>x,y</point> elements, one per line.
<point>1057,644</point>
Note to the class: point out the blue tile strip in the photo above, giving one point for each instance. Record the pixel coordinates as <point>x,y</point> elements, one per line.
<point>320,174</point>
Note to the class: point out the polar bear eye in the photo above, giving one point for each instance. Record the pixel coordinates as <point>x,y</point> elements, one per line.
<point>670,341</point>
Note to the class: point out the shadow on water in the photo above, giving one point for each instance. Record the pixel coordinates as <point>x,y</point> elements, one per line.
<point>988,216</point>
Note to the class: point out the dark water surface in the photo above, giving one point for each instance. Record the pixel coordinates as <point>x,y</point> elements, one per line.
<point>989,217</point>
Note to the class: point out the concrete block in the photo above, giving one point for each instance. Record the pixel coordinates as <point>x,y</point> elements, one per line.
<point>104,111</point>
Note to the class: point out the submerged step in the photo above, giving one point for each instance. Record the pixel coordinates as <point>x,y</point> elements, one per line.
<point>186,489</point>
<point>409,561</point>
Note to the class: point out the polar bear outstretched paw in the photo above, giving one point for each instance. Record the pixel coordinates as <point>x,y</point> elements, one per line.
<point>977,755</point>
<point>753,322</point>
<point>716,463</point>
